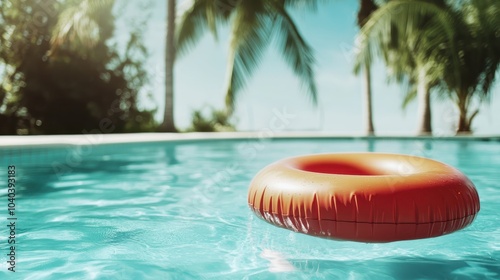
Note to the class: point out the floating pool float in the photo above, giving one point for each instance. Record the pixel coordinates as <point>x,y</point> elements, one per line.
<point>366,197</point>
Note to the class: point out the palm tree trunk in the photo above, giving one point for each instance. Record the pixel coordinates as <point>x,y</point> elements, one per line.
<point>424,109</point>
<point>368,102</point>
<point>464,121</point>
<point>168,117</point>
<point>463,125</point>
<point>366,8</point>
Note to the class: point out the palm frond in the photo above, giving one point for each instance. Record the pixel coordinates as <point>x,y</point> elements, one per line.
<point>418,41</point>
<point>202,15</point>
<point>409,96</point>
<point>486,26</point>
<point>295,50</point>
<point>249,38</point>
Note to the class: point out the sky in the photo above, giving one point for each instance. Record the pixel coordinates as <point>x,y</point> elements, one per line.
<point>200,77</point>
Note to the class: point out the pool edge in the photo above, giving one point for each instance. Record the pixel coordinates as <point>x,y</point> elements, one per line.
<point>98,139</point>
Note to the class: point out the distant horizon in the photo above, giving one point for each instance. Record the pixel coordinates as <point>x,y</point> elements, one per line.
<point>200,76</point>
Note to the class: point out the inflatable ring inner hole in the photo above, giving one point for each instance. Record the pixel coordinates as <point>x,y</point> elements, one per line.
<point>382,168</point>
<point>336,168</point>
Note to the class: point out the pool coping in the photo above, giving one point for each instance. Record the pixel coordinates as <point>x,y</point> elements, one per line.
<point>98,139</point>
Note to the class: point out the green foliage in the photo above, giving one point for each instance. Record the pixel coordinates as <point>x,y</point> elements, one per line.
<point>455,43</point>
<point>407,34</point>
<point>216,121</point>
<point>82,24</point>
<point>69,84</point>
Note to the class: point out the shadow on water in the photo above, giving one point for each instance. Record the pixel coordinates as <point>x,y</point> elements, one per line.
<point>414,147</point>
<point>36,181</point>
<point>38,176</point>
<point>171,154</point>
<point>411,268</point>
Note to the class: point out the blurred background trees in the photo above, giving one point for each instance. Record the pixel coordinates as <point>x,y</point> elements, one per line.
<point>61,73</point>
<point>449,47</point>
<point>54,84</point>
<point>210,119</point>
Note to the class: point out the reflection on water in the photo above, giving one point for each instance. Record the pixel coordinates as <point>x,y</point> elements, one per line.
<point>371,145</point>
<point>277,262</point>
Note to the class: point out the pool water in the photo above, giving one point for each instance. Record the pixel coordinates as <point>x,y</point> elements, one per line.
<point>178,210</point>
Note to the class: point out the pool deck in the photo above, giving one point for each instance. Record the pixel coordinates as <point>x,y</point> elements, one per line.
<point>97,139</point>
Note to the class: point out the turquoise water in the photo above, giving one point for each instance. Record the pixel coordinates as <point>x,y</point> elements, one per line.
<point>179,211</point>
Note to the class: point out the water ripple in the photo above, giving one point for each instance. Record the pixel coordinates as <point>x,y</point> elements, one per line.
<point>179,211</point>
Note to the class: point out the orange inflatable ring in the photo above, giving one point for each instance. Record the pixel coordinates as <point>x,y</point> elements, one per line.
<point>364,197</point>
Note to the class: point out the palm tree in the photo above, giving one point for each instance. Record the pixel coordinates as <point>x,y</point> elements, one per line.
<point>366,8</point>
<point>478,38</point>
<point>476,25</point>
<point>450,46</point>
<point>253,23</point>
<point>168,124</point>
<point>412,37</point>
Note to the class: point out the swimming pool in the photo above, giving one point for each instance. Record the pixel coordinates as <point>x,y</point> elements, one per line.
<point>178,210</point>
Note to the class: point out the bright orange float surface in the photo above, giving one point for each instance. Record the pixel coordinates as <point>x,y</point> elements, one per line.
<point>366,197</point>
